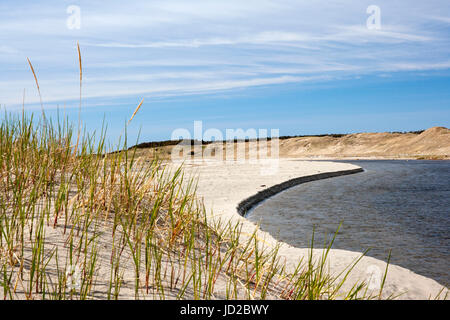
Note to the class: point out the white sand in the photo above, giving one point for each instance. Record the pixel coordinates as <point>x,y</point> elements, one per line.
<point>224,185</point>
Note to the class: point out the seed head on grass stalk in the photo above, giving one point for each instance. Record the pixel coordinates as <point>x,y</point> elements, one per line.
<point>135,111</point>
<point>79,109</point>
<point>39,90</point>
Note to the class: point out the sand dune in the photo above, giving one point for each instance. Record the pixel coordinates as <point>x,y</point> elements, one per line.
<point>432,143</point>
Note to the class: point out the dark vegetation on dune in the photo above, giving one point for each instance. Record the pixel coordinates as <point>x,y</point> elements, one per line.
<point>157,144</point>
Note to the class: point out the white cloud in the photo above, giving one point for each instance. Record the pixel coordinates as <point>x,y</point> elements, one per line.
<point>440,19</point>
<point>418,66</point>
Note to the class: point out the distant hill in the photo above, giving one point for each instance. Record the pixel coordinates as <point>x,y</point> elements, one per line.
<point>433,143</point>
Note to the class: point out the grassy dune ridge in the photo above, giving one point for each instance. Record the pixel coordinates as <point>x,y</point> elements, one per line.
<point>430,144</point>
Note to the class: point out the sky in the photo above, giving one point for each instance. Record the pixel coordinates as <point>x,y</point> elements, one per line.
<point>303,67</point>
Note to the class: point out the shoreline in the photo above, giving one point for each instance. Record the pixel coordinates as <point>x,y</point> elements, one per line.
<point>380,158</point>
<point>249,203</point>
<point>230,188</point>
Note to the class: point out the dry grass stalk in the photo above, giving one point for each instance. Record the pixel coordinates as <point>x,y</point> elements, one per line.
<point>135,111</point>
<point>37,85</point>
<point>79,109</point>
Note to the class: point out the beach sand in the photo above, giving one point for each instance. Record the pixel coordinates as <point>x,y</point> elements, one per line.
<point>224,185</point>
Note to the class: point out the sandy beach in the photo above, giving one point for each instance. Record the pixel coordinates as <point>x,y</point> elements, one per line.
<point>224,185</point>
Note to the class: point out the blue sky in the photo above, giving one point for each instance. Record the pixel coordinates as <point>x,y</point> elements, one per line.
<point>303,67</point>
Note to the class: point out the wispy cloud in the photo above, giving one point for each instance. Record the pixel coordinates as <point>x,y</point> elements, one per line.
<point>439,18</point>
<point>343,34</point>
<point>418,66</point>
<point>272,37</point>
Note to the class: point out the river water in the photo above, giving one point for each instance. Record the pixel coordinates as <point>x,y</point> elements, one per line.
<point>398,205</point>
